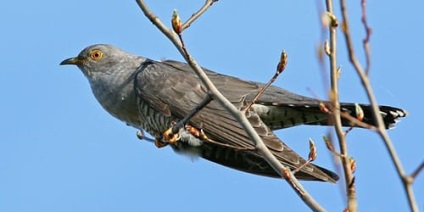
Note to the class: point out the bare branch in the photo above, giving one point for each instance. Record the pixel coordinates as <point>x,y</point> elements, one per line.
<point>366,40</point>
<point>376,111</point>
<point>240,117</point>
<point>280,68</point>
<point>311,156</point>
<point>417,171</point>
<point>193,112</point>
<point>196,15</point>
<point>357,122</point>
<point>334,99</point>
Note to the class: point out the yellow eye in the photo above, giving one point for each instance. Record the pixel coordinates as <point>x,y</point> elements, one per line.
<point>96,55</point>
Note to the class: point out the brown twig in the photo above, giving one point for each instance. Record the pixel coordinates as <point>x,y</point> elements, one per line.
<point>193,112</point>
<point>323,51</point>
<point>197,14</point>
<point>280,68</point>
<point>330,147</point>
<point>238,115</point>
<point>311,156</point>
<point>418,170</point>
<point>328,108</point>
<point>366,40</point>
<point>376,111</point>
<point>350,187</point>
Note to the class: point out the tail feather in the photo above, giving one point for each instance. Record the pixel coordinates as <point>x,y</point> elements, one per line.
<point>288,115</point>
<point>389,114</point>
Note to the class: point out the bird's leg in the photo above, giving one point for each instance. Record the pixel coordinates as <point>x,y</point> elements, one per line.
<point>171,135</point>
<point>141,136</point>
<point>159,143</point>
<point>280,68</point>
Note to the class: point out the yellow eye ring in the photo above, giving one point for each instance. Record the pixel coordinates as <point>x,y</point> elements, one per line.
<point>96,55</point>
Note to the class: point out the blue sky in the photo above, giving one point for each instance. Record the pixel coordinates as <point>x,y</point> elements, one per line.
<point>60,151</point>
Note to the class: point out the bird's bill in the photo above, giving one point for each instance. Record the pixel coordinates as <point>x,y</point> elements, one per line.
<point>72,61</point>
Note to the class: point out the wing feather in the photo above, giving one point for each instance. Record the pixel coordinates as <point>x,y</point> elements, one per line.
<point>172,88</point>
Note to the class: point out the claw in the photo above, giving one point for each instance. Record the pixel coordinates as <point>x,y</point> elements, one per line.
<point>140,135</point>
<point>196,132</point>
<point>203,135</point>
<point>159,143</point>
<point>169,137</point>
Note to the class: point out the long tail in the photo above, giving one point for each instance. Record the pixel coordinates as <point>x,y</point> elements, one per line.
<point>389,114</point>
<point>289,115</point>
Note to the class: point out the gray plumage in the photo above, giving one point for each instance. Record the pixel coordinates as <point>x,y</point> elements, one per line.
<point>149,95</point>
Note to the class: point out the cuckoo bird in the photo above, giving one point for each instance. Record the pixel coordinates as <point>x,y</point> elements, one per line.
<point>153,95</point>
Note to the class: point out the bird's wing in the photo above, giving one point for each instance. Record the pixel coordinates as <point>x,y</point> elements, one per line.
<point>174,91</point>
<point>172,88</point>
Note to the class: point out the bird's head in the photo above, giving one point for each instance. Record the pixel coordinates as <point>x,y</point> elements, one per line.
<point>99,58</point>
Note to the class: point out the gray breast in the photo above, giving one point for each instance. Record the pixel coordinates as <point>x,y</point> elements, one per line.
<point>116,95</point>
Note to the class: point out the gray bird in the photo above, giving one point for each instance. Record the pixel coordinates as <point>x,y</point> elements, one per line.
<point>152,96</point>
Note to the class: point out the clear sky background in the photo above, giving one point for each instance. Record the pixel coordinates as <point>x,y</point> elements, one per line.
<point>60,151</point>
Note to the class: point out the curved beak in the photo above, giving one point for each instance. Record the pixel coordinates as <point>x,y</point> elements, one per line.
<point>72,61</point>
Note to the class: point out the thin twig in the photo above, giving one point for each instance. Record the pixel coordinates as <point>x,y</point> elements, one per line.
<point>350,187</point>
<point>366,40</point>
<point>193,112</point>
<point>376,111</point>
<point>196,15</point>
<point>355,121</point>
<point>311,156</point>
<point>238,115</point>
<point>280,68</point>
<point>324,50</point>
<point>418,170</point>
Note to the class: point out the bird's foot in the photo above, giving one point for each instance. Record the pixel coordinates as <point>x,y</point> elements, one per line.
<point>170,137</point>
<point>159,143</point>
<point>198,133</point>
<point>140,135</point>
